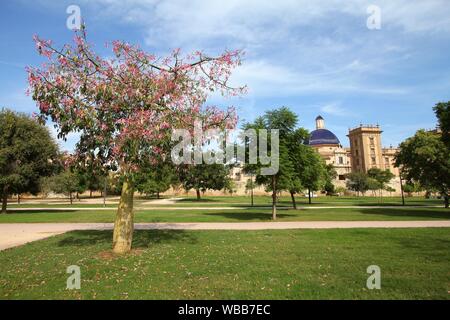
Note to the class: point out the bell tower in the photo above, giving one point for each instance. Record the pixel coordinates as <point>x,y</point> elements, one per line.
<point>320,123</point>
<point>365,146</point>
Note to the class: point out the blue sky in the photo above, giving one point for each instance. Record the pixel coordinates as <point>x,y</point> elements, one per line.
<point>316,57</point>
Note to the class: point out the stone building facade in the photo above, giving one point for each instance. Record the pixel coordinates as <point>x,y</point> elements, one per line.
<point>365,151</point>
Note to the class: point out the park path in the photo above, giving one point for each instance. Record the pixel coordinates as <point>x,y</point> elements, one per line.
<point>230,207</point>
<point>16,234</point>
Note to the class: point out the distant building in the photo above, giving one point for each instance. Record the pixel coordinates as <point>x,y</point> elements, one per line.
<point>329,147</point>
<point>365,151</point>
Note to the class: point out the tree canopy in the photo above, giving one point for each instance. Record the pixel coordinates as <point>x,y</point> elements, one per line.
<point>205,177</point>
<point>424,158</point>
<point>126,107</point>
<point>27,153</point>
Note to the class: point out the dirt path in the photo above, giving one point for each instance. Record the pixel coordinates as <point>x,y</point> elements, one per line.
<point>12,235</point>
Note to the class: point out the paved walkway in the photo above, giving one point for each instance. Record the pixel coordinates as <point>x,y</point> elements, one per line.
<point>143,208</point>
<point>12,234</point>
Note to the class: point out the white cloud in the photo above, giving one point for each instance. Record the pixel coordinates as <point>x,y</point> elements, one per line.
<point>335,109</point>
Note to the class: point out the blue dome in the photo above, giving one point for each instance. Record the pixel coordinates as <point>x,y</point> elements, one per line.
<point>322,136</point>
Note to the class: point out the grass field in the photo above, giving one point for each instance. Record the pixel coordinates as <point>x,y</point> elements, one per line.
<point>287,264</point>
<point>236,215</point>
<point>244,201</point>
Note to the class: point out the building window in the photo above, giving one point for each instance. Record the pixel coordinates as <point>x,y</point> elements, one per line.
<point>341,160</point>
<point>372,141</point>
<point>374,160</point>
<point>341,177</point>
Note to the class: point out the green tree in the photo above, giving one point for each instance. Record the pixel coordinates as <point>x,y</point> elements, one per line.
<point>230,186</point>
<point>373,185</point>
<point>67,183</point>
<point>313,173</point>
<point>285,121</point>
<point>425,158</point>
<point>298,152</point>
<point>27,153</point>
<point>390,190</point>
<point>341,190</point>
<point>442,111</point>
<point>382,177</point>
<point>156,179</point>
<point>329,176</point>
<point>249,187</point>
<point>358,182</point>
<point>203,177</point>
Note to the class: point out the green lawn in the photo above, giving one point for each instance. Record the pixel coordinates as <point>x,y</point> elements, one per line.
<point>244,201</point>
<point>302,201</point>
<point>287,264</point>
<point>237,215</point>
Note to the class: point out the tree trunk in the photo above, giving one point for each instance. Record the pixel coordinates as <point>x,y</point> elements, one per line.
<point>198,194</point>
<point>446,200</point>
<point>70,197</point>
<point>124,225</point>
<point>401,190</point>
<point>251,190</point>
<point>309,196</point>
<point>90,193</point>
<point>4,199</point>
<point>18,199</point>
<point>104,193</point>
<point>157,196</point>
<point>294,204</point>
<point>274,198</point>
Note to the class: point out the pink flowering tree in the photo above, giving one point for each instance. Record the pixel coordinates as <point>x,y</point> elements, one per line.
<point>125,108</point>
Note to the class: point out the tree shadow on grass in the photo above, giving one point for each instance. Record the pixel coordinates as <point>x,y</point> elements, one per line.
<point>49,210</point>
<point>141,238</point>
<point>419,213</point>
<point>193,200</point>
<point>249,216</point>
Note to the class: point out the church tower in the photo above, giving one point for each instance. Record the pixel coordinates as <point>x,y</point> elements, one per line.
<point>320,123</point>
<point>365,145</point>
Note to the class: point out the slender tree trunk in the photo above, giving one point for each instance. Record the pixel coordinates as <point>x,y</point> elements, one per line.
<point>4,199</point>
<point>90,193</point>
<point>251,191</point>
<point>70,197</point>
<point>401,190</point>
<point>294,204</point>
<point>198,194</point>
<point>446,199</point>
<point>157,196</point>
<point>124,225</point>
<point>18,199</point>
<point>104,193</point>
<point>253,200</point>
<point>274,198</point>
<point>309,196</point>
